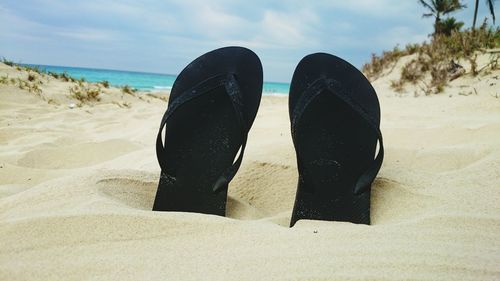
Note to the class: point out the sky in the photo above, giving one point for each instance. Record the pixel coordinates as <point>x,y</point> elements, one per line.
<point>164,36</point>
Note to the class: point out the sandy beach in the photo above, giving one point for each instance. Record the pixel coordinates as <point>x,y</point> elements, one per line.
<point>77,186</point>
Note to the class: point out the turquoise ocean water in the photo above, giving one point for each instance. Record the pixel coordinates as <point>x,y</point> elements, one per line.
<point>141,80</point>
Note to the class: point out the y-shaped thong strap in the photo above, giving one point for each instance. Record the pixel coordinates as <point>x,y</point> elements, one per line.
<point>333,87</point>
<point>232,89</point>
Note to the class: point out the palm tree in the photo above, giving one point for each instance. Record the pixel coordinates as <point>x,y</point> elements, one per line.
<point>440,8</point>
<point>491,6</point>
<point>448,25</point>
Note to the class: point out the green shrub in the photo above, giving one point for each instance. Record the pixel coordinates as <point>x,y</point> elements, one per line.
<point>449,25</point>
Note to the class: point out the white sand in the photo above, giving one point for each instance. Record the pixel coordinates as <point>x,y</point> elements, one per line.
<point>77,186</point>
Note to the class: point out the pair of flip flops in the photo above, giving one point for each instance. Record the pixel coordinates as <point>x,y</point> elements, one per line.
<point>334,114</point>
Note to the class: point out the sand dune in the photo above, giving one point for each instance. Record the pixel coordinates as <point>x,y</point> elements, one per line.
<point>77,186</point>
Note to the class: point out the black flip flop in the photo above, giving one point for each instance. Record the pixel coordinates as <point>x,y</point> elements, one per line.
<point>211,108</point>
<point>335,118</point>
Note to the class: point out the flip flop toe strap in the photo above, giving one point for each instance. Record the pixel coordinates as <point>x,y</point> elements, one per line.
<point>334,87</point>
<point>231,87</point>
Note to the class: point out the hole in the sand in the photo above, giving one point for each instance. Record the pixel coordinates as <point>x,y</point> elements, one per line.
<point>140,194</point>
<point>133,193</point>
<point>239,209</point>
<point>268,187</point>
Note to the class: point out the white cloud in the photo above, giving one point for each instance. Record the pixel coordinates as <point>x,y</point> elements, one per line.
<point>217,23</point>
<point>86,34</point>
<point>288,29</point>
<point>27,29</point>
<point>278,30</point>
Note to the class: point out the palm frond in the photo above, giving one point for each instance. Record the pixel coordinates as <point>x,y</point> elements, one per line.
<point>452,6</point>
<point>428,6</point>
<point>491,6</point>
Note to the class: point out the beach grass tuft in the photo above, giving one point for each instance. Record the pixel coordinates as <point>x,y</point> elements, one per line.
<point>373,70</point>
<point>8,62</point>
<point>31,77</point>
<point>4,80</point>
<point>65,77</point>
<point>128,90</point>
<point>105,84</point>
<point>31,83</point>
<point>85,93</point>
<point>53,74</point>
<point>31,68</point>
<point>30,86</point>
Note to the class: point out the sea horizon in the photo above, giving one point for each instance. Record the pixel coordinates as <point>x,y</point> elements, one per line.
<point>140,80</point>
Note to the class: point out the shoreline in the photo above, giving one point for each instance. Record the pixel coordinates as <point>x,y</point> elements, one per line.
<point>109,75</point>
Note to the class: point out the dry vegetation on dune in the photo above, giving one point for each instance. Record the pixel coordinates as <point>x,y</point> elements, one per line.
<point>105,84</point>
<point>80,91</point>
<point>438,62</point>
<point>85,92</point>
<point>32,78</point>
<point>31,82</point>
<point>128,90</point>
